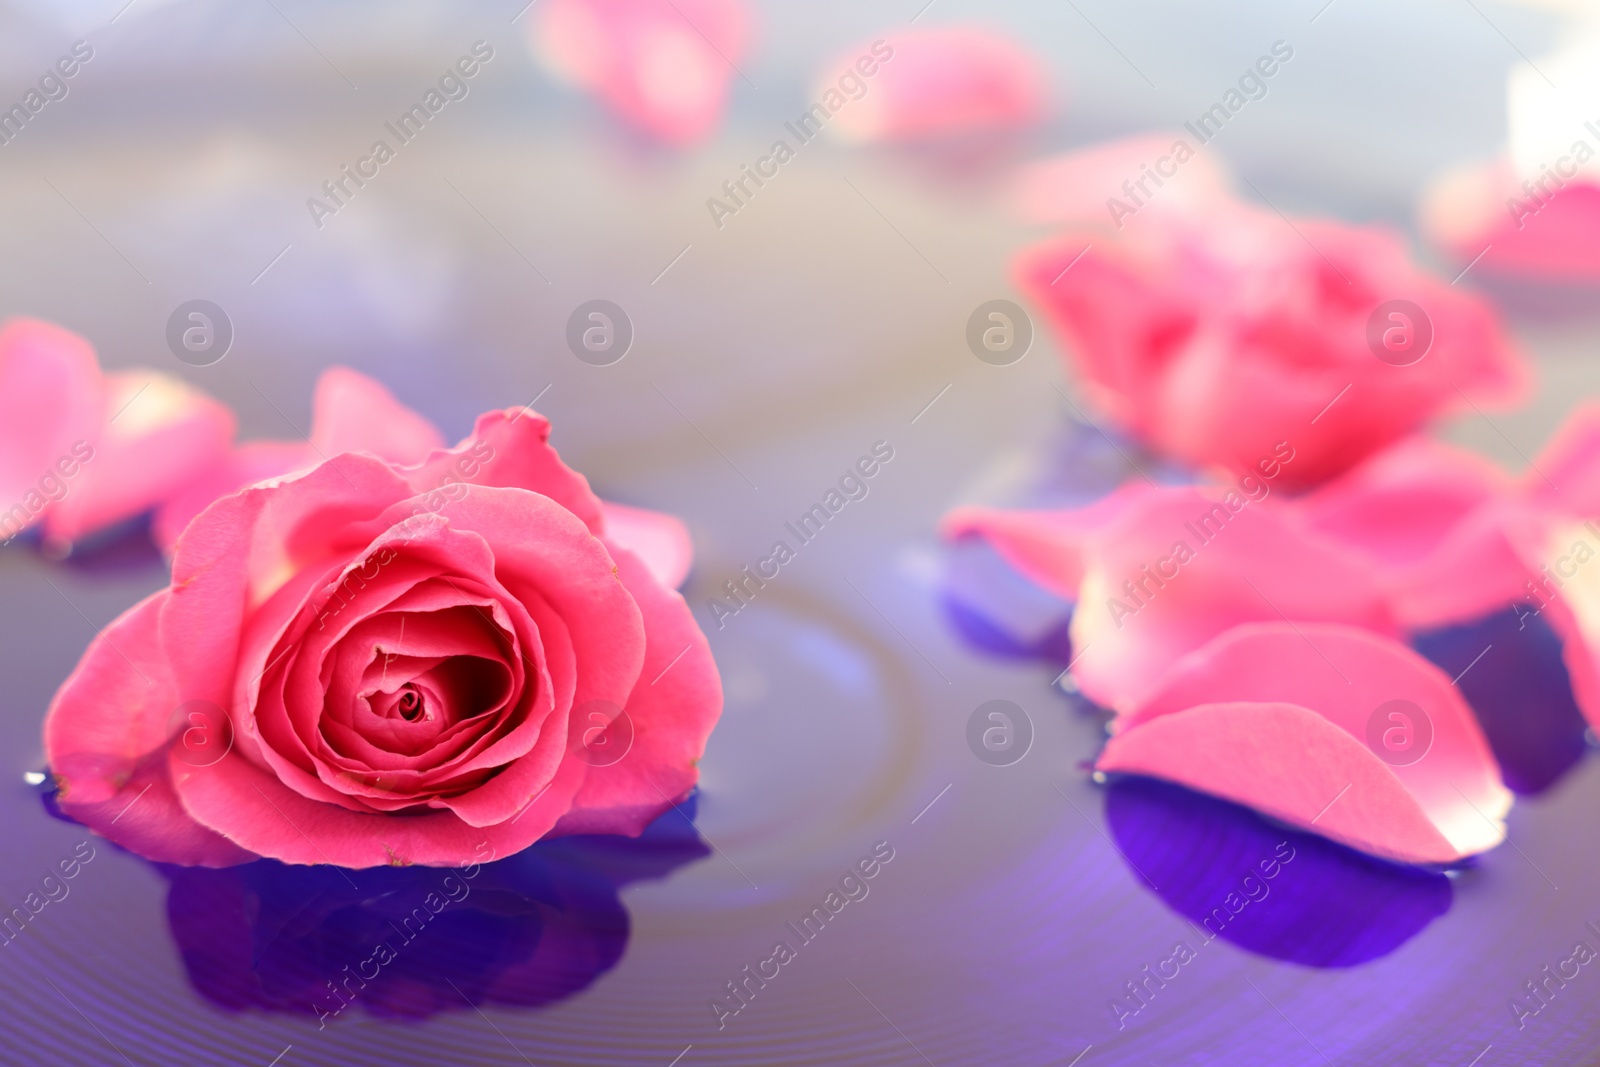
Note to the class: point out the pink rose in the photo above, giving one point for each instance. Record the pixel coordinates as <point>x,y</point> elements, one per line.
<point>371,664</point>
<point>1213,337</point>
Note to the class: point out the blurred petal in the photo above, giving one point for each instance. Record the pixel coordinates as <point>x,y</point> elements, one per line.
<point>1486,211</point>
<point>1047,546</point>
<point>50,397</point>
<point>1073,188</point>
<point>161,436</point>
<point>1171,568</point>
<point>660,540</point>
<point>662,66</point>
<point>255,461</point>
<point>353,413</point>
<point>940,82</point>
<point>1567,472</point>
<point>1437,524</point>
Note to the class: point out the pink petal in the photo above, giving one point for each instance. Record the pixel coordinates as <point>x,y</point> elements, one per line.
<point>1485,211</point>
<point>1250,562</point>
<point>1564,587</point>
<point>353,413</point>
<point>660,540</point>
<point>1567,472</point>
<point>51,397</point>
<point>350,413</point>
<point>1437,524</point>
<point>662,66</point>
<point>1047,546</point>
<point>252,462</point>
<point>509,449</point>
<point>106,737</point>
<point>674,705</point>
<point>1288,763</point>
<point>243,548</point>
<point>1073,188</point>
<point>161,436</point>
<point>1272,690</point>
<point>939,82</point>
<point>274,820</point>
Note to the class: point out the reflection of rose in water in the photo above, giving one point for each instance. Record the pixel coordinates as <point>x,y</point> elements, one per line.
<point>527,930</point>
<point>1328,906</point>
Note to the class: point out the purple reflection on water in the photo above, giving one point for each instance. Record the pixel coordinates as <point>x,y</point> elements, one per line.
<point>1518,687</point>
<point>1274,891</point>
<point>411,942</point>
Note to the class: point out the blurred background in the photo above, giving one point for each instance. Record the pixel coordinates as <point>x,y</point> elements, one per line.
<point>769,353</point>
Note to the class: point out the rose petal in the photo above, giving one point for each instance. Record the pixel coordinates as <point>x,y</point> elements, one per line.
<point>1048,546</point>
<point>945,81</point>
<point>106,737</point>
<point>1290,763</point>
<point>243,548</point>
<point>509,449</point>
<point>1567,472</point>
<point>660,540</point>
<point>1247,562</point>
<point>255,461</point>
<point>1072,188</point>
<point>1437,524</point>
<point>51,396</point>
<point>663,68</point>
<point>350,413</point>
<point>353,413</point>
<point>1571,605</point>
<point>673,707</point>
<point>274,820</point>
<point>162,435</point>
<point>1345,676</point>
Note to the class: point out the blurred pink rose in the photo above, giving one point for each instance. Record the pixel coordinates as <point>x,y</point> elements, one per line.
<point>369,663</point>
<point>81,450</point>
<point>662,66</point>
<point>1291,719</point>
<point>1211,338</point>
<point>938,82</point>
